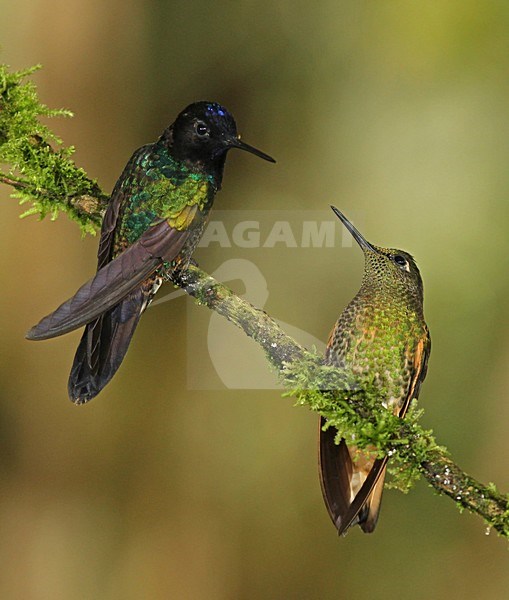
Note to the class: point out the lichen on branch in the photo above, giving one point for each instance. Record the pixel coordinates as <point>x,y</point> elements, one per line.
<point>41,171</point>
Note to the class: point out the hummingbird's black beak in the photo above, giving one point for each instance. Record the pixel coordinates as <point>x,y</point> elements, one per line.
<point>238,143</point>
<point>357,236</point>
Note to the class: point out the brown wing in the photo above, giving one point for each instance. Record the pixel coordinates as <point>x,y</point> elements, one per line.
<point>113,282</point>
<point>420,370</point>
<point>337,468</point>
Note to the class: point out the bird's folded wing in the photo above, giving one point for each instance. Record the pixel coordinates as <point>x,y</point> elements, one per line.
<point>113,281</point>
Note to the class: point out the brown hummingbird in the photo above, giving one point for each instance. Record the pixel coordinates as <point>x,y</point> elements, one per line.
<point>381,336</point>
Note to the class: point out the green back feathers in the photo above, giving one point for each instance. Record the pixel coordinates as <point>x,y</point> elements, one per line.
<point>160,188</point>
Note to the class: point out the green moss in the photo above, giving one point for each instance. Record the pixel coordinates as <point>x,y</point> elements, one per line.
<point>37,165</point>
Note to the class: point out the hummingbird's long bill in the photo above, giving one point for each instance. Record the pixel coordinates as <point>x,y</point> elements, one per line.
<point>357,236</point>
<point>238,143</point>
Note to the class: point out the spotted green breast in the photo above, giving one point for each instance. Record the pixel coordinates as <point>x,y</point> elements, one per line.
<point>379,338</point>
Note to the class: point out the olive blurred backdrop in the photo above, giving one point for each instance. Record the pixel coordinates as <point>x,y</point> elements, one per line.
<point>398,110</point>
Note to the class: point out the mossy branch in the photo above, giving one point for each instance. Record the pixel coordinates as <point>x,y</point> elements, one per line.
<point>39,167</point>
<point>48,179</point>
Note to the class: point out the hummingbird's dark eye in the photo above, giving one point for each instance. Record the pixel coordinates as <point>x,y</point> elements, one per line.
<point>401,261</point>
<point>201,129</point>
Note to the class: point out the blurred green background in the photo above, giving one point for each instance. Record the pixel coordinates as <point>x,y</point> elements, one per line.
<point>395,109</point>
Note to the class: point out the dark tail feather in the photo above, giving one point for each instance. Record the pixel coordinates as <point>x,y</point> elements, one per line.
<point>103,346</point>
<point>371,508</point>
<point>335,468</point>
<point>365,507</point>
<point>337,472</point>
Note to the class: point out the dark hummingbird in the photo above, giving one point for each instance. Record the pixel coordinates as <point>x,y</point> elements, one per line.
<point>381,337</point>
<point>157,213</point>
